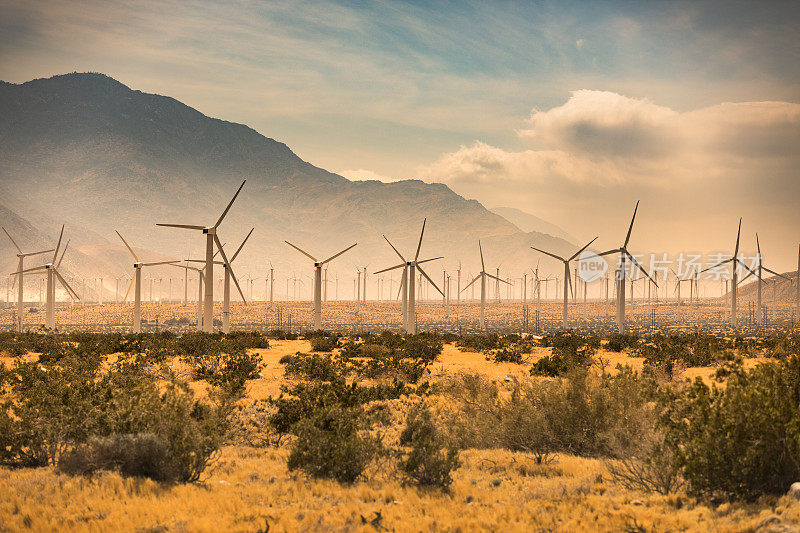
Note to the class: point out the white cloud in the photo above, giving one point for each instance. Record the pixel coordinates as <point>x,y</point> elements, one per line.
<point>600,151</point>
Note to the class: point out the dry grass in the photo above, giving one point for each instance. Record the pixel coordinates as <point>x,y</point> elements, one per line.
<point>250,488</point>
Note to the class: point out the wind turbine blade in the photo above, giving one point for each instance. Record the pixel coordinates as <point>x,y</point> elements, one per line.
<point>635,262</point>
<point>63,253</point>
<point>576,254</point>
<point>471,282</point>
<point>242,245</point>
<point>390,268</point>
<point>554,256</point>
<point>483,266</point>
<point>495,277</point>
<point>32,269</point>
<point>184,226</point>
<point>301,251</point>
<point>13,241</point>
<point>432,259</point>
<point>133,278</point>
<point>395,250</point>
<point>225,258</point>
<point>430,280</point>
<point>758,245</point>
<point>775,273</point>
<point>128,246</point>
<point>738,234</point>
<point>66,285</point>
<point>421,233</point>
<point>160,263</point>
<point>55,254</point>
<point>331,258</point>
<point>744,265</point>
<point>630,228</point>
<point>229,205</point>
<point>674,274</point>
<point>187,267</point>
<point>717,265</point>
<point>29,254</point>
<point>747,276</point>
<point>614,251</point>
<point>402,283</point>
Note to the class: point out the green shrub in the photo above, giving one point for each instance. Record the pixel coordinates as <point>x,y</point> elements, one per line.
<point>230,371</point>
<point>430,461</point>
<point>569,351</point>
<point>743,440</point>
<point>479,343</point>
<point>302,400</point>
<point>618,342</point>
<point>333,443</point>
<point>139,455</point>
<point>53,409</point>
<point>508,355</point>
<point>314,366</point>
<point>580,414</point>
<point>324,343</point>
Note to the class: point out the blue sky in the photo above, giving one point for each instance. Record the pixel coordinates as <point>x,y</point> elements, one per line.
<point>405,89</point>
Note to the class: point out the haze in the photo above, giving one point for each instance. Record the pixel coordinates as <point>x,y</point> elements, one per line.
<point>571,112</point>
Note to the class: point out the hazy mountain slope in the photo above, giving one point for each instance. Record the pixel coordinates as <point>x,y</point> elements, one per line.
<point>528,222</point>
<point>87,149</point>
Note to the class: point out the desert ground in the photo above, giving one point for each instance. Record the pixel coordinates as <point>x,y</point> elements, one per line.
<point>250,489</point>
<point>643,316</point>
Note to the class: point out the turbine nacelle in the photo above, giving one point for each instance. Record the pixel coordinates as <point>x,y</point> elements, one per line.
<point>209,231</point>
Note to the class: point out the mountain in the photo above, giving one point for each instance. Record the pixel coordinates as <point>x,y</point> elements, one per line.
<point>86,149</point>
<point>528,222</point>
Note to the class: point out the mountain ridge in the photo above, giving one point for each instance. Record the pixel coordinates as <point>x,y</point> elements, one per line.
<point>86,148</point>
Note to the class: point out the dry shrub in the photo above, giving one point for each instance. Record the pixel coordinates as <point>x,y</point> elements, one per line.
<point>430,461</point>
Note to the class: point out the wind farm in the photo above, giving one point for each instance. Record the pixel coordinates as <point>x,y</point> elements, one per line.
<point>332,354</point>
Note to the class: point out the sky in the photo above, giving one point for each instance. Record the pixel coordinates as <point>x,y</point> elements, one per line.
<point>571,111</point>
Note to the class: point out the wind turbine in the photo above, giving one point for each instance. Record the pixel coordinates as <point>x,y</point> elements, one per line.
<point>678,281</point>
<point>52,274</point>
<point>211,240</point>
<point>736,262</point>
<point>409,275</point>
<point>19,279</point>
<point>136,282</point>
<point>759,268</point>
<point>482,276</point>
<point>318,280</point>
<point>567,277</point>
<point>226,288</point>
<point>623,254</point>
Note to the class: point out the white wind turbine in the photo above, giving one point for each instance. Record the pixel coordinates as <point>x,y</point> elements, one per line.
<point>318,280</point>
<point>19,279</point>
<point>759,268</point>
<point>53,274</point>
<point>623,255</point>
<point>736,262</point>
<point>226,288</point>
<point>211,240</point>
<point>136,283</point>
<point>482,276</point>
<point>567,278</point>
<point>407,284</point>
